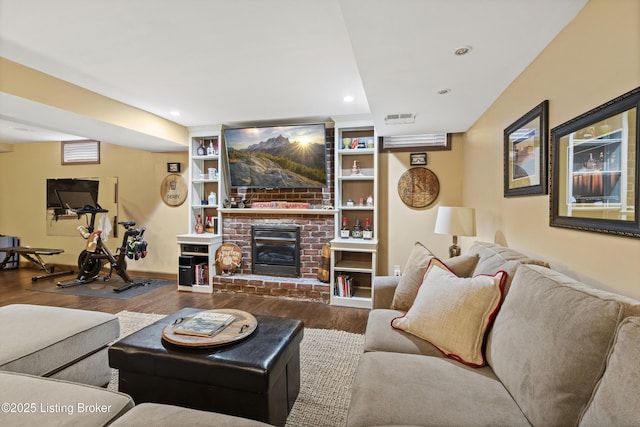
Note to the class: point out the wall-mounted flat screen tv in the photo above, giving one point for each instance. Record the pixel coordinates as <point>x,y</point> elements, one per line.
<point>277,156</point>
<point>69,184</point>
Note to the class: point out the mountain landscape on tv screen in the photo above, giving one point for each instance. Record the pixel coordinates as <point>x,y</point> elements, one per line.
<point>278,163</point>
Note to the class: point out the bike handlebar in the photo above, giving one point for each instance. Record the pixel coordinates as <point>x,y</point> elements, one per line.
<point>89,210</point>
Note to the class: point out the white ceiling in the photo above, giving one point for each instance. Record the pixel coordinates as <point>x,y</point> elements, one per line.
<point>274,61</point>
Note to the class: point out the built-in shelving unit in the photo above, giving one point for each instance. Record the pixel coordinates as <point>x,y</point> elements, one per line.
<point>353,260</point>
<point>205,177</point>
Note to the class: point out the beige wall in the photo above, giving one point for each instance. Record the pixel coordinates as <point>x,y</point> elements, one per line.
<point>593,60</point>
<point>402,226</point>
<point>23,176</point>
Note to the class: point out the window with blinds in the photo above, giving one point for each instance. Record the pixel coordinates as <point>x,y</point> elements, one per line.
<point>84,152</point>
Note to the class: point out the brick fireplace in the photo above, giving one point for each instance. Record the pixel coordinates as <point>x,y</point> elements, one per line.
<point>275,250</point>
<point>315,231</point>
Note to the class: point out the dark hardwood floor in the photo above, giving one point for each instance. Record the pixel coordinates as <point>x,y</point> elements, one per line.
<point>15,289</point>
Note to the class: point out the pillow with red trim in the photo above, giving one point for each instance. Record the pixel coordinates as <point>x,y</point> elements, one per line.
<point>454,313</point>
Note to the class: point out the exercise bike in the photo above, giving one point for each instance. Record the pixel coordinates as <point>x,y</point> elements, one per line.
<point>96,253</point>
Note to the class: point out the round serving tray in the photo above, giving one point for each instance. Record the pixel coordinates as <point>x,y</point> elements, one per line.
<point>239,329</point>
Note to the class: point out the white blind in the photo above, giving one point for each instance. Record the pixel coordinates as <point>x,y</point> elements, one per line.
<point>409,141</point>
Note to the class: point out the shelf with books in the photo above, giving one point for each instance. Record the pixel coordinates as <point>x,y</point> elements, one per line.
<point>197,253</point>
<point>355,259</point>
<point>206,183</point>
<point>354,250</point>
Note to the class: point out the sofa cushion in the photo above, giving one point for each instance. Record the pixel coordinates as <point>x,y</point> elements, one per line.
<point>54,403</point>
<point>617,396</point>
<point>380,336</point>
<point>47,339</point>
<point>494,258</point>
<point>454,313</point>
<point>412,275</point>
<point>414,390</point>
<point>550,341</point>
<point>384,288</point>
<point>153,414</point>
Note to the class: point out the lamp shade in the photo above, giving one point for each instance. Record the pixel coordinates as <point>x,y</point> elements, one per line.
<point>456,221</point>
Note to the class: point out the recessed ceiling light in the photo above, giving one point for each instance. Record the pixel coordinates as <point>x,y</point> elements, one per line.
<point>175,113</point>
<point>462,50</point>
<point>443,91</point>
<point>348,98</point>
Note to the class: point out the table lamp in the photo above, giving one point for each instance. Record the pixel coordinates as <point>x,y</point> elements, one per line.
<point>456,221</point>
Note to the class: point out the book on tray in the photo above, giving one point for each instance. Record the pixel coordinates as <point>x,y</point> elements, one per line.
<point>204,324</point>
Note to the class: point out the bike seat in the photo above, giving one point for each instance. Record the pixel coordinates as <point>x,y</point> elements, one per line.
<point>127,224</point>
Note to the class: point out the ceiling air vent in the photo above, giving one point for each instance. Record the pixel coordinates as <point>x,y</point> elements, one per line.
<point>400,119</point>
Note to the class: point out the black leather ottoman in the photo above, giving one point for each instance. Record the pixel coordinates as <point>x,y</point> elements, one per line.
<point>257,378</point>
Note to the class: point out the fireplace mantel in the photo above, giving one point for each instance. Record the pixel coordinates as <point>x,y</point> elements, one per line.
<point>277,211</point>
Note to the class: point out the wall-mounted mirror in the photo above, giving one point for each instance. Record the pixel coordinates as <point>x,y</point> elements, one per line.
<point>59,223</point>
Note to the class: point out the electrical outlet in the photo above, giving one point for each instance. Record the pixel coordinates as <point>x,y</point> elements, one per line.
<point>396,270</point>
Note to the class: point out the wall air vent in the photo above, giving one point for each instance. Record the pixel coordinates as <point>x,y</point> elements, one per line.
<point>83,152</point>
<point>400,119</point>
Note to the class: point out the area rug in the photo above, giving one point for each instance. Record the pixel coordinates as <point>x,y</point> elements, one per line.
<point>101,289</point>
<point>328,362</point>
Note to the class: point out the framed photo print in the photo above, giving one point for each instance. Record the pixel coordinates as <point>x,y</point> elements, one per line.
<point>418,159</point>
<point>525,153</point>
<point>173,167</point>
<point>594,177</point>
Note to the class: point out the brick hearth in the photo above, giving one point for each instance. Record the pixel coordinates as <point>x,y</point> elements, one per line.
<point>282,287</point>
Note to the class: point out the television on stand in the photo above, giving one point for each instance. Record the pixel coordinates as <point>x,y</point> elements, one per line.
<point>277,156</point>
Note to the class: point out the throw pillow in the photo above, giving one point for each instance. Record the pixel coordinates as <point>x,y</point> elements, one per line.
<point>462,266</point>
<point>415,269</point>
<point>454,313</point>
<point>411,278</point>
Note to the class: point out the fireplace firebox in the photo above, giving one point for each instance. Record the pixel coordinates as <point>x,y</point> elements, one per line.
<point>275,250</point>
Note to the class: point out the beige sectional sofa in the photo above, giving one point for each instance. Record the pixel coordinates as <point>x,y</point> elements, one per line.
<point>555,353</point>
<point>57,342</point>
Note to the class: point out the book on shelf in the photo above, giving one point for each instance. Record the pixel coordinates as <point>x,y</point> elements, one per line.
<point>343,287</point>
<point>202,274</point>
<point>204,324</point>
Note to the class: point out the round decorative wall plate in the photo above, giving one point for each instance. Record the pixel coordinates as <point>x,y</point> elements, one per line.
<point>173,190</point>
<point>418,187</point>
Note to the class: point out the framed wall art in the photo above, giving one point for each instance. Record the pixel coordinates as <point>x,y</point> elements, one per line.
<point>595,180</point>
<point>173,167</point>
<point>418,159</point>
<point>525,153</point>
